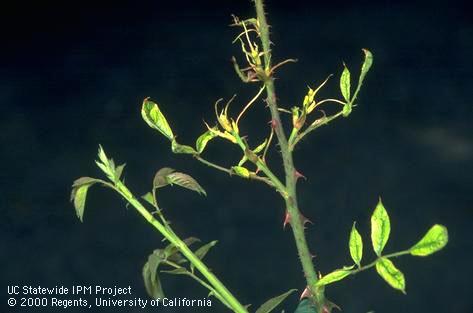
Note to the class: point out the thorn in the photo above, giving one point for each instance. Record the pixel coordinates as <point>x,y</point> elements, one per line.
<point>305,220</point>
<point>299,175</point>
<point>305,294</point>
<point>273,124</point>
<point>287,220</point>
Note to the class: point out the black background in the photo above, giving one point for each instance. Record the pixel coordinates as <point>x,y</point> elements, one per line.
<point>73,75</point>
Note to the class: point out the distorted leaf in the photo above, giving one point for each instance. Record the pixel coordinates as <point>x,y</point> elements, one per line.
<point>345,83</point>
<point>181,149</point>
<point>203,139</point>
<point>148,197</point>
<point>241,171</point>
<point>380,228</point>
<point>434,240</point>
<point>155,119</point>
<point>260,147</point>
<point>243,160</point>
<point>150,275</point>
<point>334,276</point>
<point>171,249</point>
<point>119,171</point>
<point>347,108</point>
<point>272,303</point>
<point>366,65</point>
<point>176,271</point>
<point>106,165</point>
<point>306,306</point>
<point>160,178</point>
<point>356,245</point>
<point>185,181</point>
<point>202,251</point>
<point>79,194</point>
<point>393,276</point>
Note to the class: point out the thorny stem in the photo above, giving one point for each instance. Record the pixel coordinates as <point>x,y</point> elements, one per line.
<point>291,197</point>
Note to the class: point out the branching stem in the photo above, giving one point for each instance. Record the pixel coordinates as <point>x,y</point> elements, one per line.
<point>290,171</point>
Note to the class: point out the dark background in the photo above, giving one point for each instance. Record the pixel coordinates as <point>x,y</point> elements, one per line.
<point>73,75</point>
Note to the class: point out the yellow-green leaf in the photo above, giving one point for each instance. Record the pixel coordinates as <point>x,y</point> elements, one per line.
<point>241,171</point>
<point>148,197</point>
<point>203,139</point>
<point>334,276</point>
<point>393,276</point>
<point>155,119</point>
<point>272,303</point>
<point>345,84</point>
<point>178,148</point>
<point>434,240</point>
<point>380,228</point>
<point>356,245</point>
<point>366,66</point>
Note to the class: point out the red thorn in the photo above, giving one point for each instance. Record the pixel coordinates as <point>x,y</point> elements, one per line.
<point>299,175</point>
<point>306,293</point>
<point>274,124</point>
<point>287,220</point>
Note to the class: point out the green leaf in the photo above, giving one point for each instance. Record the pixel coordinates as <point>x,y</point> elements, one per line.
<point>150,275</point>
<point>272,303</point>
<point>171,249</point>
<point>185,181</point>
<point>334,276</point>
<point>119,171</point>
<point>393,276</point>
<point>241,171</point>
<point>155,119</point>
<point>380,228</point>
<point>202,251</point>
<point>434,240</point>
<point>261,146</point>
<point>148,197</point>
<point>160,178</point>
<point>356,245</point>
<point>79,194</point>
<point>347,108</point>
<point>106,165</point>
<point>177,271</point>
<point>181,149</point>
<point>345,83</point>
<point>305,306</point>
<point>203,139</point>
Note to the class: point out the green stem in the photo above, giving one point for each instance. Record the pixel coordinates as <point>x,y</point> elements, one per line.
<point>296,139</point>
<point>387,256</point>
<point>183,248</point>
<point>230,172</point>
<point>297,223</point>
